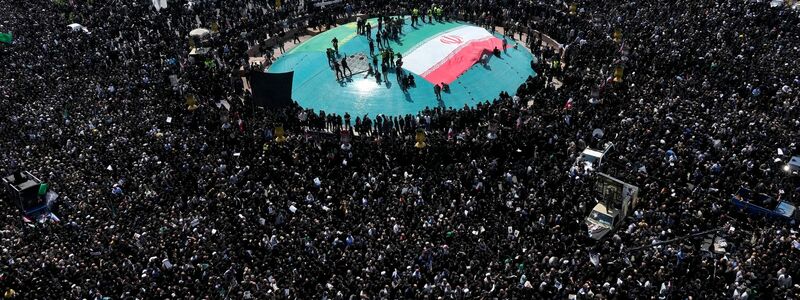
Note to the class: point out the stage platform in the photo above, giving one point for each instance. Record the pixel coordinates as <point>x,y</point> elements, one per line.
<point>441,51</point>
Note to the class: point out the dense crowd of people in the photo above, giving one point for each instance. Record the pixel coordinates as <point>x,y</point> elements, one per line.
<point>157,201</point>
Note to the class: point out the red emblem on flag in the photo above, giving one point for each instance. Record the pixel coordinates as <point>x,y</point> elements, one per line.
<point>451,39</point>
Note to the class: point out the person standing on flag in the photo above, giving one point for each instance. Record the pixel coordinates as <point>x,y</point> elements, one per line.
<point>385,57</point>
<point>345,67</point>
<point>331,59</point>
<point>385,70</point>
<point>338,70</point>
<point>371,48</point>
<point>399,72</point>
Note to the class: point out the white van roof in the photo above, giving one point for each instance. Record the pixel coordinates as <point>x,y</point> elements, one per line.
<point>594,153</point>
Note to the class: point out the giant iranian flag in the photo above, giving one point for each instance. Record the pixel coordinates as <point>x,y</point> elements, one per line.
<point>448,54</point>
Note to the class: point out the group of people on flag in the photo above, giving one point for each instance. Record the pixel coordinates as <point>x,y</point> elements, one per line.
<point>158,201</point>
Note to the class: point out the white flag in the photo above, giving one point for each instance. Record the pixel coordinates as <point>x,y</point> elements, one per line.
<point>166,263</point>
<point>595,259</point>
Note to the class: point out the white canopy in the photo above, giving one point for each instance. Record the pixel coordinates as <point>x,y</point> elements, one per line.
<point>77,27</point>
<point>598,133</point>
<point>200,32</point>
<point>159,4</point>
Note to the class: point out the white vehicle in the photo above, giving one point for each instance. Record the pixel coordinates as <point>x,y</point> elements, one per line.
<point>617,200</point>
<point>793,167</point>
<point>591,158</point>
<point>601,221</point>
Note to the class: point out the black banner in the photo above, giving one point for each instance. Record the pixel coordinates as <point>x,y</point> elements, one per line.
<point>271,90</point>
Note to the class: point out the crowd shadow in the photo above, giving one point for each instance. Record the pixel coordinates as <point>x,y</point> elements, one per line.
<point>407,95</point>
<point>343,82</point>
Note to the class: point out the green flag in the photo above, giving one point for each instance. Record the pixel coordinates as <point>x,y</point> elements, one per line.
<point>42,189</point>
<point>209,63</point>
<point>6,37</point>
